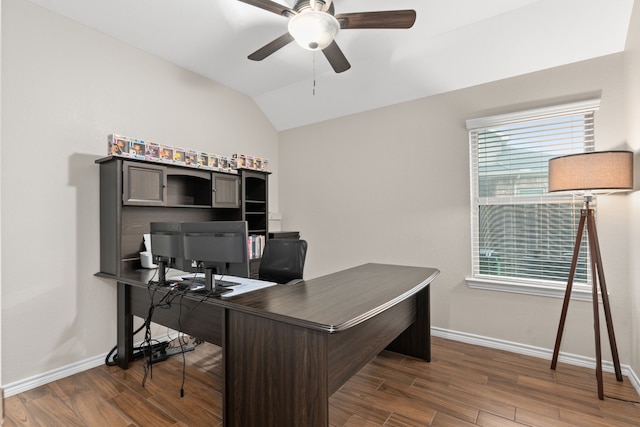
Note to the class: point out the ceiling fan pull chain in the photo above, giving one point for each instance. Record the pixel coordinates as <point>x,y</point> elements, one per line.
<point>314,73</point>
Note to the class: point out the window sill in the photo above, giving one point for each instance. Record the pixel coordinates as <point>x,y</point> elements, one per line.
<point>580,292</point>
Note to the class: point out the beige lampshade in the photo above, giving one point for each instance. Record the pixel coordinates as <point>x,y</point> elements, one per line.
<point>600,171</point>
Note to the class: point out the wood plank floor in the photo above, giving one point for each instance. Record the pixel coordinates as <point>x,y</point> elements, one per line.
<point>464,385</point>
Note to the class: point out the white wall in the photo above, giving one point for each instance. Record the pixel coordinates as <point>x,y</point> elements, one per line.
<point>64,88</point>
<point>392,185</point>
<point>2,411</point>
<point>632,68</point>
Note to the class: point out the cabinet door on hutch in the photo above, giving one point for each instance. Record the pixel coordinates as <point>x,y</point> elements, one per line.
<point>144,184</point>
<point>226,190</point>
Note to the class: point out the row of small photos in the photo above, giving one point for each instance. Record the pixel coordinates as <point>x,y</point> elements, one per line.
<point>125,146</point>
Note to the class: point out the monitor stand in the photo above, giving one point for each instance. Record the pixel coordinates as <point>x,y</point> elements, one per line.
<point>162,272</point>
<point>163,266</point>
<point>210,285</point>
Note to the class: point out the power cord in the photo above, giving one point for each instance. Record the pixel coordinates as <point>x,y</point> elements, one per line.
<point>155,350</point>
<point>138,352</point>
<point>184,361</point>
<point>635,402</point>
<point>164,302</point>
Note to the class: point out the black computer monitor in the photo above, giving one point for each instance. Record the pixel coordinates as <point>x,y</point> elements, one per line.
<point>166,248</point>
<point>217,247</point>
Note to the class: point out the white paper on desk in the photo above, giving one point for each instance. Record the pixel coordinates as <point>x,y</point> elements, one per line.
<point>244,284</point>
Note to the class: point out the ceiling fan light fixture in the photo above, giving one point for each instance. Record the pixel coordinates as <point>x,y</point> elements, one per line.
<point>313,30</point>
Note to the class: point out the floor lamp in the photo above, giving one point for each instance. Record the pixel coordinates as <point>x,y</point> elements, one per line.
<point>588,173</point>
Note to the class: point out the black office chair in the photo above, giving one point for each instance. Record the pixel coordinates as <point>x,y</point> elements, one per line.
<point>283,261</point>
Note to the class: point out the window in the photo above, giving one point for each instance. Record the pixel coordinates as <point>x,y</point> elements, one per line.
<point>523,236</point>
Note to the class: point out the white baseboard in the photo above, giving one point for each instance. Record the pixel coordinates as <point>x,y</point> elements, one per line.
<point>543,353</point>
<point>529,350</point>
<point>65,371</point>
<point>54,375</point>
<point>633,379</point>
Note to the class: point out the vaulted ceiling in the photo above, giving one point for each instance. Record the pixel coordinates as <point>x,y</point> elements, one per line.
<point>453,44</point>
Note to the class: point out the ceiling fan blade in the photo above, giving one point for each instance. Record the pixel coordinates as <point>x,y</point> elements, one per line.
<point>382,19</point>
<point>336,58</point>
<point>271,6</point>
<point>269,48</point>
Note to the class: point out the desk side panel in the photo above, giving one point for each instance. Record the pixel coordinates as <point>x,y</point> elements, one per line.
<point>415,341</point>
<point>125,326</point>
<point>275,373</point>
<point>353,348</point>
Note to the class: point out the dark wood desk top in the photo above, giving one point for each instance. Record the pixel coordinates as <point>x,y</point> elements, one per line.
<point>330,303</point>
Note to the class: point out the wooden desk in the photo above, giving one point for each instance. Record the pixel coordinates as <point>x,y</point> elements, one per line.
<point>288,348</point>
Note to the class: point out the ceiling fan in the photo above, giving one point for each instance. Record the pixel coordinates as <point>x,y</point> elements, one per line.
<point>314,25</point>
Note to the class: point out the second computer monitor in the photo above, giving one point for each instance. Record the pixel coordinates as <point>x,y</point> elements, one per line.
<point>217,246</point>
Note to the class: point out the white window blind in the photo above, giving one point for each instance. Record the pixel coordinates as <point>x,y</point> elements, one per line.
<point>522,233</point>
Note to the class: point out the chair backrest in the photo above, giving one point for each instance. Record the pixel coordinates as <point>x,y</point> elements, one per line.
<point>283,260</point>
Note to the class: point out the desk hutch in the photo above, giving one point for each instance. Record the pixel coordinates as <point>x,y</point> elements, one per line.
<point>134,193</point>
